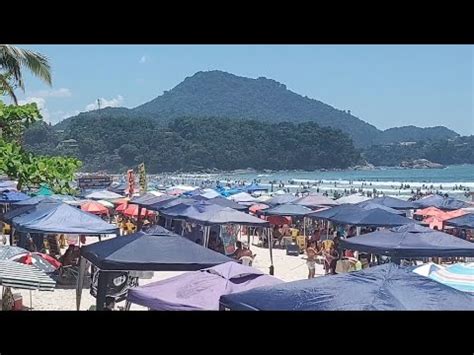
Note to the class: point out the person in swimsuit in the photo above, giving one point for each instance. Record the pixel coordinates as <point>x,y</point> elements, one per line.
<point>311,253</point>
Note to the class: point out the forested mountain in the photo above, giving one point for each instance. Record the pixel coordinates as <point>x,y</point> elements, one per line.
<point>448,151</point>
<point>220,94</point>
<point>114,144</point>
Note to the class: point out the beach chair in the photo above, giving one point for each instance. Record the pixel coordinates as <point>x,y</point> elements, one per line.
<point>301,241</point>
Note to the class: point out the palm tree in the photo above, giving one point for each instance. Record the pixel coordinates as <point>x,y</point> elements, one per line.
<point>13,60</point>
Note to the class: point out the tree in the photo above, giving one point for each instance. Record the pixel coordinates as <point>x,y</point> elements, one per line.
<point>14,120</point>
<point>13,60</point>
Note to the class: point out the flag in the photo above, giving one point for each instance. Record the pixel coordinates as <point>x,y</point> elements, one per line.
<point>142,178</point>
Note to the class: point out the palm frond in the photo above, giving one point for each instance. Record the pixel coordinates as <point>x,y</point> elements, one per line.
<point>7,88</point>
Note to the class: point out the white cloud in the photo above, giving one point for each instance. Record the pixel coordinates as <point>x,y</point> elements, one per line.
<point>143,59</point>
<point>113,102</point>
<point>41,103</point>
<point>62,92</point>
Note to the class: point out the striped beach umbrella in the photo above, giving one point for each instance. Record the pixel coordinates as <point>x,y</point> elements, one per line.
<point>17,275</point>
<point>459,276</point>
<point>8,252</point>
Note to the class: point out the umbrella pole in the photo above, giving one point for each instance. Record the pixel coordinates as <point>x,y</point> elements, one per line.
<point>31,300</point>
<point>270,242</point>
<point>304,226</point>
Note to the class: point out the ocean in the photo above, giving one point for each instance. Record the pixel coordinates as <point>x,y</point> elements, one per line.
<point>456,180</point>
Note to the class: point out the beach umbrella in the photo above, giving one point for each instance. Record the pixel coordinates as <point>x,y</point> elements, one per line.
<point>281,199</point>
<point>258,207</point>
<point>7,252</point>
<point>94,207</point>
<point>120,201</point>
<point>106,203</point>
<point>122,207</point>
<point>287,209</point>
<point>103,195</point>
<point>279,220</point>
<point>263,198</point>
<point>132,211</point>
<point>21,276</point>
<point>459,276</point>
<point>242,197</point>
<point>393,202</point>
<point>200,290</point>
<point>369,205</point>
<point>429,212</point>
<point>384,287</point>
<point>44,262</point>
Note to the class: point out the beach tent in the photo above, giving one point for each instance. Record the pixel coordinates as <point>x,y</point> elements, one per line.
<point>8,185</point>
<point>221,201</point>
<point>281,199</point>
<point>429,212</point>
<point>157,200</point>
<point>199,290</point>
<point>228,192</point>
<point>459,276</point>
<point>384,287</point>
<point>35,200</point>
<point>44,191</point>
<point>315,200</point>
<point>168,203</point>
<point>103,195</point>
<point>465,222</point>
<point>132,210</point>
<point>410,241</point>
<point>287,209</point>
<point>207,213</point>
<point>155,229</point>
<point>144,252</point>
<point>443,203</point>
<point>144,198</point>
<point>358,216</point>
<point>242,197</point>
<point>369,205</point>
<point>352,199</point>
<point>392,202</point>
<point>49,217</point>
<point>12,197</point>
<point>263,198</point>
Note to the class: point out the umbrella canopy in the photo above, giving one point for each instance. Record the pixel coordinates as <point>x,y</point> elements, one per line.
<point>145,252</point>
<point>369,205</point>
<point>8,252</point>
<point>443,203</point>
<point>140,199</point>
<point>166,203</point>
<point>394,203</point>
<point>258,207</point>
<point>200,290</point>
<point>352,199</point>
<point>17,275</point>
<point>59,218</point>
<point>281,199</point>
<point>242,197</point>
<point>94,207</point>
<point>41,261</point>
<point>358,216</point>
<point>384,287</point>
<point>459,276</point>
<point>12,196</point>
<point>221,201</point>
<point>44,191</point>
<point>106,203</point>
<point>429,212</point>
<point>410,241</point>
<point>466,221</point>
<point>287,209</point>
<point>103,195</point>
<point>315,200</point>
<point>209,214</point>
<point>122,207</point>
<point>263,198</point>
<point>132,211</point>
<point>119,201</point>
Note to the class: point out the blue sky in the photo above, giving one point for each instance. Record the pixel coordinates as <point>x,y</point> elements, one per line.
<point>386,86</point>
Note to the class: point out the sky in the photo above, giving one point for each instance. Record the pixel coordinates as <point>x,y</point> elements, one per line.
<point>385,85</point>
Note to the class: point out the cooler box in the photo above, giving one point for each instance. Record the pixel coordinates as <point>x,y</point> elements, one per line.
<point>293,249</point>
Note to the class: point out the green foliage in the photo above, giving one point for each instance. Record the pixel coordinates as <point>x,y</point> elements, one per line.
<point>188,144</point>
<point>31,171</point>
<point>448,151</point>
<point>15,119</point>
